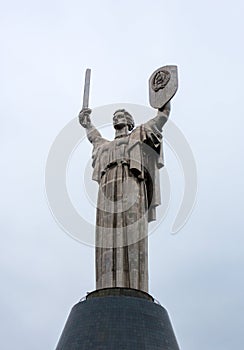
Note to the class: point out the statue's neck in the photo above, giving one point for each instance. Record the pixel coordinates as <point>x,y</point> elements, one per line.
<point>121,132</point>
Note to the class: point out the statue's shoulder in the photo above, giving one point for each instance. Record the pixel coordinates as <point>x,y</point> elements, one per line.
<point>100,141</point>
<point>134,135</point>
<point>141,129</point>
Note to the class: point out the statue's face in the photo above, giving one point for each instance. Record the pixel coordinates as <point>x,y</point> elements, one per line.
<point>119,120</point>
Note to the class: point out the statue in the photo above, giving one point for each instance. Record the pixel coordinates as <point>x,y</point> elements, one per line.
<point>127,171</point>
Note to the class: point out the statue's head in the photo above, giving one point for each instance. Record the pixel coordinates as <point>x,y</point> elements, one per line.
<point>121,118</point>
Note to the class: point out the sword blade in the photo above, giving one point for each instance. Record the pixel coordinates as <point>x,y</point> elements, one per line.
<point>86,89</point>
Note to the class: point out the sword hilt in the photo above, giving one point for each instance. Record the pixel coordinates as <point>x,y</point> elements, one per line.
<point>83,117</point>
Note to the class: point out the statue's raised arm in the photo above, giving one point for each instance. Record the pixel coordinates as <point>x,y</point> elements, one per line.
<point>161,117</point>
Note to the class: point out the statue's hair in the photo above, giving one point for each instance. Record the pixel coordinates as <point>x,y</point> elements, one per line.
<point>129,118</point>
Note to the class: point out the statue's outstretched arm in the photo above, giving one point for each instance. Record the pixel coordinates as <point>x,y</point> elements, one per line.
<point>85,120</point>
<point>161,117</point>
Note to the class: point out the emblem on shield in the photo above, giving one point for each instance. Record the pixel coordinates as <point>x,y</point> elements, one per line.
<point>163,85</point>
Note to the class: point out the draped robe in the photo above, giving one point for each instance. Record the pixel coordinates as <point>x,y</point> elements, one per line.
<point>127,171</point>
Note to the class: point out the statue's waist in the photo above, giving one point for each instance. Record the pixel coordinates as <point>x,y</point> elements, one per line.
<point>118,162</point>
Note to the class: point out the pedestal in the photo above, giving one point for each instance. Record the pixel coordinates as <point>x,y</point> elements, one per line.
<point>116,319</point>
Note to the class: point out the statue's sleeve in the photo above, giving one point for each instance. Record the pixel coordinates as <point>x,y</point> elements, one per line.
<point>154,160</point>
<point>93,134</point>
<point>153,132</point>
<point>149,158</point>
<point>98,155</point>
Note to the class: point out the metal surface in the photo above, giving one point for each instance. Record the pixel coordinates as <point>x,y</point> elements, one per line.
<point>118,322</point>
<point>127,171</point>
<point>86,89</point>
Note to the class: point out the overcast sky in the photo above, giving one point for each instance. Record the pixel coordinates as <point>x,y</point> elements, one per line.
<point>196,274</point>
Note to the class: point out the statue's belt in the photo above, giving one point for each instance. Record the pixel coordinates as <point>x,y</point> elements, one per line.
<point>114,164</point>
<point>118,162</point>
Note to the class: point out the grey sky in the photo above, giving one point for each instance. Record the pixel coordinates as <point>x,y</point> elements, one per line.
<point>46,47</point>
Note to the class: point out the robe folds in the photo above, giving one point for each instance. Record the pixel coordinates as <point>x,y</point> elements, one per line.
<point>127,171</point>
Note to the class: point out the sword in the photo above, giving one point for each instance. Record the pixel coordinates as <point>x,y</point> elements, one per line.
<point>86,93</point>
<point>86,88</point>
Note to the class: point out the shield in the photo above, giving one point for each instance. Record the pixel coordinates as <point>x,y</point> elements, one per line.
<point>163,85</point>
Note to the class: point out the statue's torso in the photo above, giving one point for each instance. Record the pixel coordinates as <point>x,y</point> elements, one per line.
<point>115,152</point>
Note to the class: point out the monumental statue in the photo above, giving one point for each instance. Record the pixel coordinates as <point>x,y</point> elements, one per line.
<point>127,171</point>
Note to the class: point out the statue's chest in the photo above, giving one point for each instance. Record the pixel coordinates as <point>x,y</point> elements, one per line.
<point>116,150</point>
